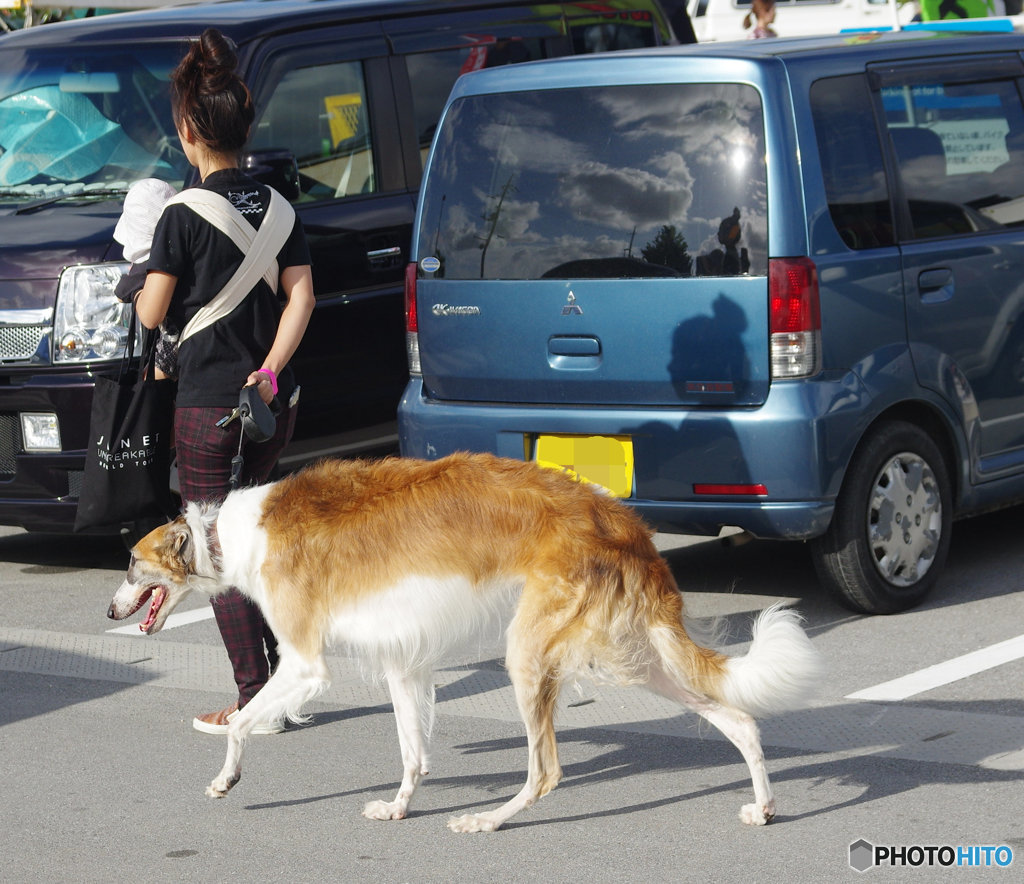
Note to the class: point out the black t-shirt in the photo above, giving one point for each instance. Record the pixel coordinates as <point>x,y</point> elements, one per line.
<point>214,363</point>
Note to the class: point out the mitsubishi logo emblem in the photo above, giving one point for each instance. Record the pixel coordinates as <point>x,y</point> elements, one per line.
<point>571,308</point>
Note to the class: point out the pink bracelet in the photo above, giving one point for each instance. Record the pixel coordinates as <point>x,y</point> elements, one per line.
<point>272,376</point>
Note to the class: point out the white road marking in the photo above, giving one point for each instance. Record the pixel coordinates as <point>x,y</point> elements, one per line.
<point>943,673</point>
<point>182,619</point>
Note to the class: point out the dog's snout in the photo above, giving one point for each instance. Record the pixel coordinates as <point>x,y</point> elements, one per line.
<point>124,602</point>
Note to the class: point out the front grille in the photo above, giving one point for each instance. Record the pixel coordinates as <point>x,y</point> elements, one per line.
<point>21,341</point>
<point>10,445</point>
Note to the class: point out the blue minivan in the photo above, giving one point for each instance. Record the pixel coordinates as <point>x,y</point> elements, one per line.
<point>775,285</point>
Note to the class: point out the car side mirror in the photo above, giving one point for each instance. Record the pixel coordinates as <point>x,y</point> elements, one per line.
<point>277,168</point>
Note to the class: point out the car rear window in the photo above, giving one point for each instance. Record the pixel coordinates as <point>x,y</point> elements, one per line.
<point>623,181</point>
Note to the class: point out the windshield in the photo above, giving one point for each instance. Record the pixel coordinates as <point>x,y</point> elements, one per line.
<point>86,122</point>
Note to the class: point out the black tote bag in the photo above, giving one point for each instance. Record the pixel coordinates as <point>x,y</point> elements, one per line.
<point>128,458</point>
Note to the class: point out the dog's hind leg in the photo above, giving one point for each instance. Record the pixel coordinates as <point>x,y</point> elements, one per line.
<point>412,695</point>
<point>739,728</point>
<point>779,671</point>
<point>536,685</point>
<point>294,682</point>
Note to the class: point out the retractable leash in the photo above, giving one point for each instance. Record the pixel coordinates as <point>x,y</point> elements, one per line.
<point>259,423</point>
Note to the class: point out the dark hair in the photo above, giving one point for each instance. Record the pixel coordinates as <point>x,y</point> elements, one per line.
<point>208,96</point>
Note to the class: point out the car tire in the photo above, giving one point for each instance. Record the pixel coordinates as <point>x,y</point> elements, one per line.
<point>891,528</point>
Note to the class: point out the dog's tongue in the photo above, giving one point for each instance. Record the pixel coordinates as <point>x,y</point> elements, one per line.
<point>154,606</point>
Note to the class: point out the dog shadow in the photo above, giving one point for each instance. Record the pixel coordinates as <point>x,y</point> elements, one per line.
<point>871,777</point>
<point>625,754</point>
<point>320,718</point>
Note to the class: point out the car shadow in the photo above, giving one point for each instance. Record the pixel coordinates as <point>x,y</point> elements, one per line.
<point>62,553</point>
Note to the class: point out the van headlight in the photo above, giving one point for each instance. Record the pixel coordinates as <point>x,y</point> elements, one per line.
<point>89,322</point>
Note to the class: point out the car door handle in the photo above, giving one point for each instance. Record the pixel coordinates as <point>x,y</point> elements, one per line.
<point>935,278</point>
<point>574,352</point>
<point>574,346</point>
<point>384,254</point>
<point>935,285</point>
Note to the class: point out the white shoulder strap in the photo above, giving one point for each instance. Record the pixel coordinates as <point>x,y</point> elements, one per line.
<point>260,248</point>
<point>218,211</point>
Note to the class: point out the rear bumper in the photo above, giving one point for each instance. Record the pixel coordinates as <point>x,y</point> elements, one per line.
<point>792,520</point>
<point>797,444</point>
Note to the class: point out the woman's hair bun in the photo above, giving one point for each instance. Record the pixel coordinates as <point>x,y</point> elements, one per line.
<point>216,58</point>
<point>209,97</point>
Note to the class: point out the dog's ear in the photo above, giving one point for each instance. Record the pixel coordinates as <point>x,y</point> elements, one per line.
<point>182,544</point>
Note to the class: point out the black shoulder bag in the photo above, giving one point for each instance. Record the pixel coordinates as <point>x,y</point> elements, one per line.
<point>128,458</point>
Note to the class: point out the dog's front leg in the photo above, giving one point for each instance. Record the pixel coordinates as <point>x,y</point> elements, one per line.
<point>295,681</point>
<point>412,696</point>
<point>240,724</point>
<point>231,773</point>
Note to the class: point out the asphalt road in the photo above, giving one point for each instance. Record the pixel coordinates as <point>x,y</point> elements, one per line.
<point>916,741</point>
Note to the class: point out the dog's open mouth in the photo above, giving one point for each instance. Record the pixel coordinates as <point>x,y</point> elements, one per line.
<point>156,596</point>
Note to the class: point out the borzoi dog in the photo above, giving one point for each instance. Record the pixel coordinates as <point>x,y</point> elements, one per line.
<point>402,561</point>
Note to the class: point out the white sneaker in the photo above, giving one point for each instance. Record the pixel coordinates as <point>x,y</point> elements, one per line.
<point>217,722</point>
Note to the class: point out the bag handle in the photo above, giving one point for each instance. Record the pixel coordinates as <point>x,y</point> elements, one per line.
<point>147,358</point>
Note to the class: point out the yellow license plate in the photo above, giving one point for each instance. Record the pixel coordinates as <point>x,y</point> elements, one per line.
<point>603,460</point>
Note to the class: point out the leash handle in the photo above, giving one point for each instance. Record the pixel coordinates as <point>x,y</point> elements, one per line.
<point>237,462</point>
<point>236,470</point>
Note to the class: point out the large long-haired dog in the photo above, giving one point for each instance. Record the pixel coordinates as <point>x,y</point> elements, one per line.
<point>401,561</point>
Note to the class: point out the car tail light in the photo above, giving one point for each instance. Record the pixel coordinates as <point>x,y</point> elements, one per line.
<point>722,490</point>
<point>412,325</point>
<point>795,317</point>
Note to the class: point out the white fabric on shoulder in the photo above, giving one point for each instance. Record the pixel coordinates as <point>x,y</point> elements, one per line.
<point>256,245</point>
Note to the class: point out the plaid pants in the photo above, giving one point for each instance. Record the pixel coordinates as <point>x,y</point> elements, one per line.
<point>204,453</point>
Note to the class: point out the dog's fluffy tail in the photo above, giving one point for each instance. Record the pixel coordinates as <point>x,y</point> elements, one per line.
<point>780,671</point>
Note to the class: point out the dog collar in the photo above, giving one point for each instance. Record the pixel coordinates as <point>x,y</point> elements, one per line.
<point>213,547</point>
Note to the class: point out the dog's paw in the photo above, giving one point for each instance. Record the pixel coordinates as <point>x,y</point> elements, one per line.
<point>756,815</point>
<point>385,810</point>
<point>473,822</point>
<point>222,785</point>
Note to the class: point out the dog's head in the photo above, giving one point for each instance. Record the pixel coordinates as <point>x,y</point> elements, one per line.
<point>166,565</point>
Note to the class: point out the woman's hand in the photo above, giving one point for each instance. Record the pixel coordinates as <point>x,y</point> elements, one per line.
<point>263,385</point>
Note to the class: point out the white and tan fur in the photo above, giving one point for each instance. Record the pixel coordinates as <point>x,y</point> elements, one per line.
<point>401,561</point>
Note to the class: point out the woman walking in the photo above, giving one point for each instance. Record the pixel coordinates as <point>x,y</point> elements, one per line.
<point>190,263</point>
